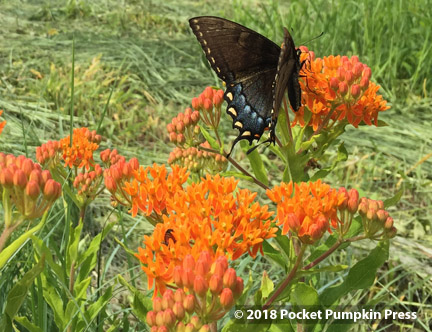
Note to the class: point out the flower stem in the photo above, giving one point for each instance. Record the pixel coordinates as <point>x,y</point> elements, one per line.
<point>288,279</point>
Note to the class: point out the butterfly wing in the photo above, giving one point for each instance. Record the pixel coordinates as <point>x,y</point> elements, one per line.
<point>247,62</point>
<point>286,78</point>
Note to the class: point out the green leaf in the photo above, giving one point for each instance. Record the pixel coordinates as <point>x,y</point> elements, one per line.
<point>274,254</point>
<point>267,286</point>
<point>55,302</point>
<point>395,199</point>
<point>141,304</point>
<point>93,310</point>
<point>341,156</point>
<point>19,292</point>
<point>42,249</point>
<point>304,296</point>
<point>7,252</point>
<point>213,143</point>
<point>257,166</point>
<point>80,289</point>
<point>72,250</point>
<point>27,324</point>
<point>360,276</point>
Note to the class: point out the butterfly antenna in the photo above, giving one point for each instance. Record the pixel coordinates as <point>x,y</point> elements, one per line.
<point>316,37</point>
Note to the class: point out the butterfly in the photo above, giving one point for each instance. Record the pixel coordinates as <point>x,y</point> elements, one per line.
<point>256,71</point>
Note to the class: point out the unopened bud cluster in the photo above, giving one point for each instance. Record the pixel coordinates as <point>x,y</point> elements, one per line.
<point>209,103</point>
<point>111,157</point>
<point>183,129</point>
<point>25,186</point>
<point>88,184</point>
<point>211,290</point>
<point>352,79</point>
<point>116,176</point>
<point>196,160</point>
<point>377,222</point>
<point>48,154</point>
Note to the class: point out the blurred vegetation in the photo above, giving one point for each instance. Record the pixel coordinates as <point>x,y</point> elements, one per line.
<point>144,54</point>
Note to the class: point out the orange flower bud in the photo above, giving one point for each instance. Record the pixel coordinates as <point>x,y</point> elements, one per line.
<point>195,103</point>
<point>382,215</point>
<point>220,266</point>
<point>6,177</point>
<point>227,298</point>
<point>353,201</point>
<point>20,179</point>
<point>357,70</point>
<point>168,299</point>
<point>160,318</point>
<point>391,233</point>
<point>367,72</point>
<point>179,295</point>
<point>189,262</point>
<point>371,214</point>
<point>151,318</point>
<point>27,166</point>
<point>239,287</point>
<point>204,328</point>
<point>52,190</point>
<point>104,155</point>
<point>32,189</point>
<point>388,225</point>
<point>334,83</point>
<point>170,128</point>
<point>179,310</point>
<point>208,92</point>
<point>200,286</point>
<point>188,278</point>
<point>180,126</point>
<point>218,98</point>
<point>215,284</point>
<point>110,184</point>
<point>340,74</point>
<point>187,120</point>
<point>169,318</point>
<point>343,88</point>
<point>230,278</point>
<point>180,138</point>
<point>349,77</point>
<point>195,116</point>
<point>157,304</point>
<point>195,321</point>
<point>364,83</point>
<point>189,303</point>
<point>46,175</point>
<point>355,90</point>
<point>208,105</point>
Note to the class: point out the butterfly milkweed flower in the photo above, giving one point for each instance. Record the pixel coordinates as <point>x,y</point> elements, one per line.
<point>212,215</point>
<point>80,153</point>
<point>151,187</point>
<point>338,88</point>
<point>307,209</point>
<point>183,129</point>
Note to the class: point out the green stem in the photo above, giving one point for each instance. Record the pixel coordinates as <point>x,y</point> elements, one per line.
<point>288,279</point>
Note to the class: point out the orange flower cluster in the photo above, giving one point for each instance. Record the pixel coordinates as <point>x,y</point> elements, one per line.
<point>25,187</point>
<point>3,123</point>
<point>183,129</point>
<point>111,157</point>
<point>207,216</point>
<point>307,209</point>
<point>206,286</point>
<point>196,160</point>
<point>209,104</point>
<point>338,88</point>
<point>84,143</point>
<point>150,195</point>
<point>376,219</point>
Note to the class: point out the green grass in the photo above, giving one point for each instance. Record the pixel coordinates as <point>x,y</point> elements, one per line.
<point>145,54</point>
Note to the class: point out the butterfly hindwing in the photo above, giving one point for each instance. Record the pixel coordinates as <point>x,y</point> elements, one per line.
<point>256,72</point>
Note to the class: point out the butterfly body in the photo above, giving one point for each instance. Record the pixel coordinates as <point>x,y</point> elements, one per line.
<point>257,72</point>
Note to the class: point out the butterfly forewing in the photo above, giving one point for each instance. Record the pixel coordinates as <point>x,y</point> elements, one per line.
<point>256,72</point>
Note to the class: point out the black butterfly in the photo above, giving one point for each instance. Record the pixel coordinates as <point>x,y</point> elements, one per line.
<point>256,72</point>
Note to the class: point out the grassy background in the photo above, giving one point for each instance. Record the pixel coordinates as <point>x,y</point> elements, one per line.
<point>144,52</point>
